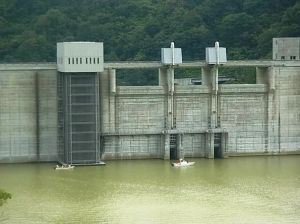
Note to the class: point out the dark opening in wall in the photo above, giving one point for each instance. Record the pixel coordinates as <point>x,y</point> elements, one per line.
<point>227,75</point>
<point>173,147</point>
<point>217,146</point>
<point>173,153</point>
<point>137,77</point>
<point>187,73</point>
<point>237,75</point>
<point>187,76</point>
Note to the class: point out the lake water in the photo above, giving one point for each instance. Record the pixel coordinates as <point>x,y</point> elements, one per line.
<point>233,190</point>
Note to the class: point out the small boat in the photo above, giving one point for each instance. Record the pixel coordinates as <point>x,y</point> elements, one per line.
<point>64,167</point>
<point>182,163</point>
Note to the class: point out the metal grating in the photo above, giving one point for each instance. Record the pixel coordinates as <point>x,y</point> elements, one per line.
<point>173,141</point>
<point>78,118</point>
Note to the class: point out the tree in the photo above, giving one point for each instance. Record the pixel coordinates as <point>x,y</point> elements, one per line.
<point>4,196</point>
<point>136,30</point>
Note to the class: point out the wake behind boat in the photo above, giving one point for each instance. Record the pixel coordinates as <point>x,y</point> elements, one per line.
<point>182,163</point>
<point>64,167</point>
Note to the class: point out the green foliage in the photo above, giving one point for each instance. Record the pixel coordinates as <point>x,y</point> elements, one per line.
<point>136,30</point>
<point>137,77</point>
<point>239,75</point>
<point>4,196</point>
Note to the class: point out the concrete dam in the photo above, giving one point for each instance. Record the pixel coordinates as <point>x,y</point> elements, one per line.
<point>84,117</point>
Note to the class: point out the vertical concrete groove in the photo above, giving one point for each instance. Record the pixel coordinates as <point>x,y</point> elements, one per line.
<point>97,120</point>
<point>279,118</point>
<point>37,110</point>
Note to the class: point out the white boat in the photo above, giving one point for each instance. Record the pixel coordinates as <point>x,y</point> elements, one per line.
<point>182,163</point>
<point>64,167</point>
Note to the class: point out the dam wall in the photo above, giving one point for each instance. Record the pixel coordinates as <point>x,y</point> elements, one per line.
<point>164,121</point>
<point>243,114</point>
<point>254,119</point>
<point>287,100</point>
<point>28,115</point>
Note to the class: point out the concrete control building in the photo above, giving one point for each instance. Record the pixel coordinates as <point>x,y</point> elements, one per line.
<point>287,48</point>
<point>53,112</point>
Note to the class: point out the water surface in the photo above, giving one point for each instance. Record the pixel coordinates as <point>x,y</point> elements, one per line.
<point>234,190</point>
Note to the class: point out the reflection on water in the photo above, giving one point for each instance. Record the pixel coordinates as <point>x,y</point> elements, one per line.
<point>234,190</point>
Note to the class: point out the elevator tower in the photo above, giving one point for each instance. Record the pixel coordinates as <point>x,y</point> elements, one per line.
<point>79,64</point>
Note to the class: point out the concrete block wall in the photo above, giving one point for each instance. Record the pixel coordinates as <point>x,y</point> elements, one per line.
<point>243,114</point>
<point>133,147</point>
<point>287,86</point>
<point>47,114</point>
<point>140,110</point>
<point>194,145</point>
<point>28,116</point>
<point>18,140</point>
<point>191,108</point>
<point>139,120</point>
<point>192,115</point>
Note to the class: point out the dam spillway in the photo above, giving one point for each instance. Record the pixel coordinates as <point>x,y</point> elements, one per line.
<point>74,112</point>
<point>253,119</point>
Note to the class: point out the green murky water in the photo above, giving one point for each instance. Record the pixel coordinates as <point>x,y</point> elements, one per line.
<point>234,190</point>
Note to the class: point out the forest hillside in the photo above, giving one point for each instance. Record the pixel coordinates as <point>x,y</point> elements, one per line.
<point>137,29</point>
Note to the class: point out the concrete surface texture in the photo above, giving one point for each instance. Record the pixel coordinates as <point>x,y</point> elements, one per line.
<point>166,121</point>
<point>286,48</point>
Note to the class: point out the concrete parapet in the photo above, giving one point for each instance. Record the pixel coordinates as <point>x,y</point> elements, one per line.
<point>190,90</point>
<point>139,90</point>
<point>243,88</point>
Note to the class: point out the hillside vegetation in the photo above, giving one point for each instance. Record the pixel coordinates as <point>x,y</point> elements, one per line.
<point>136,30</point>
